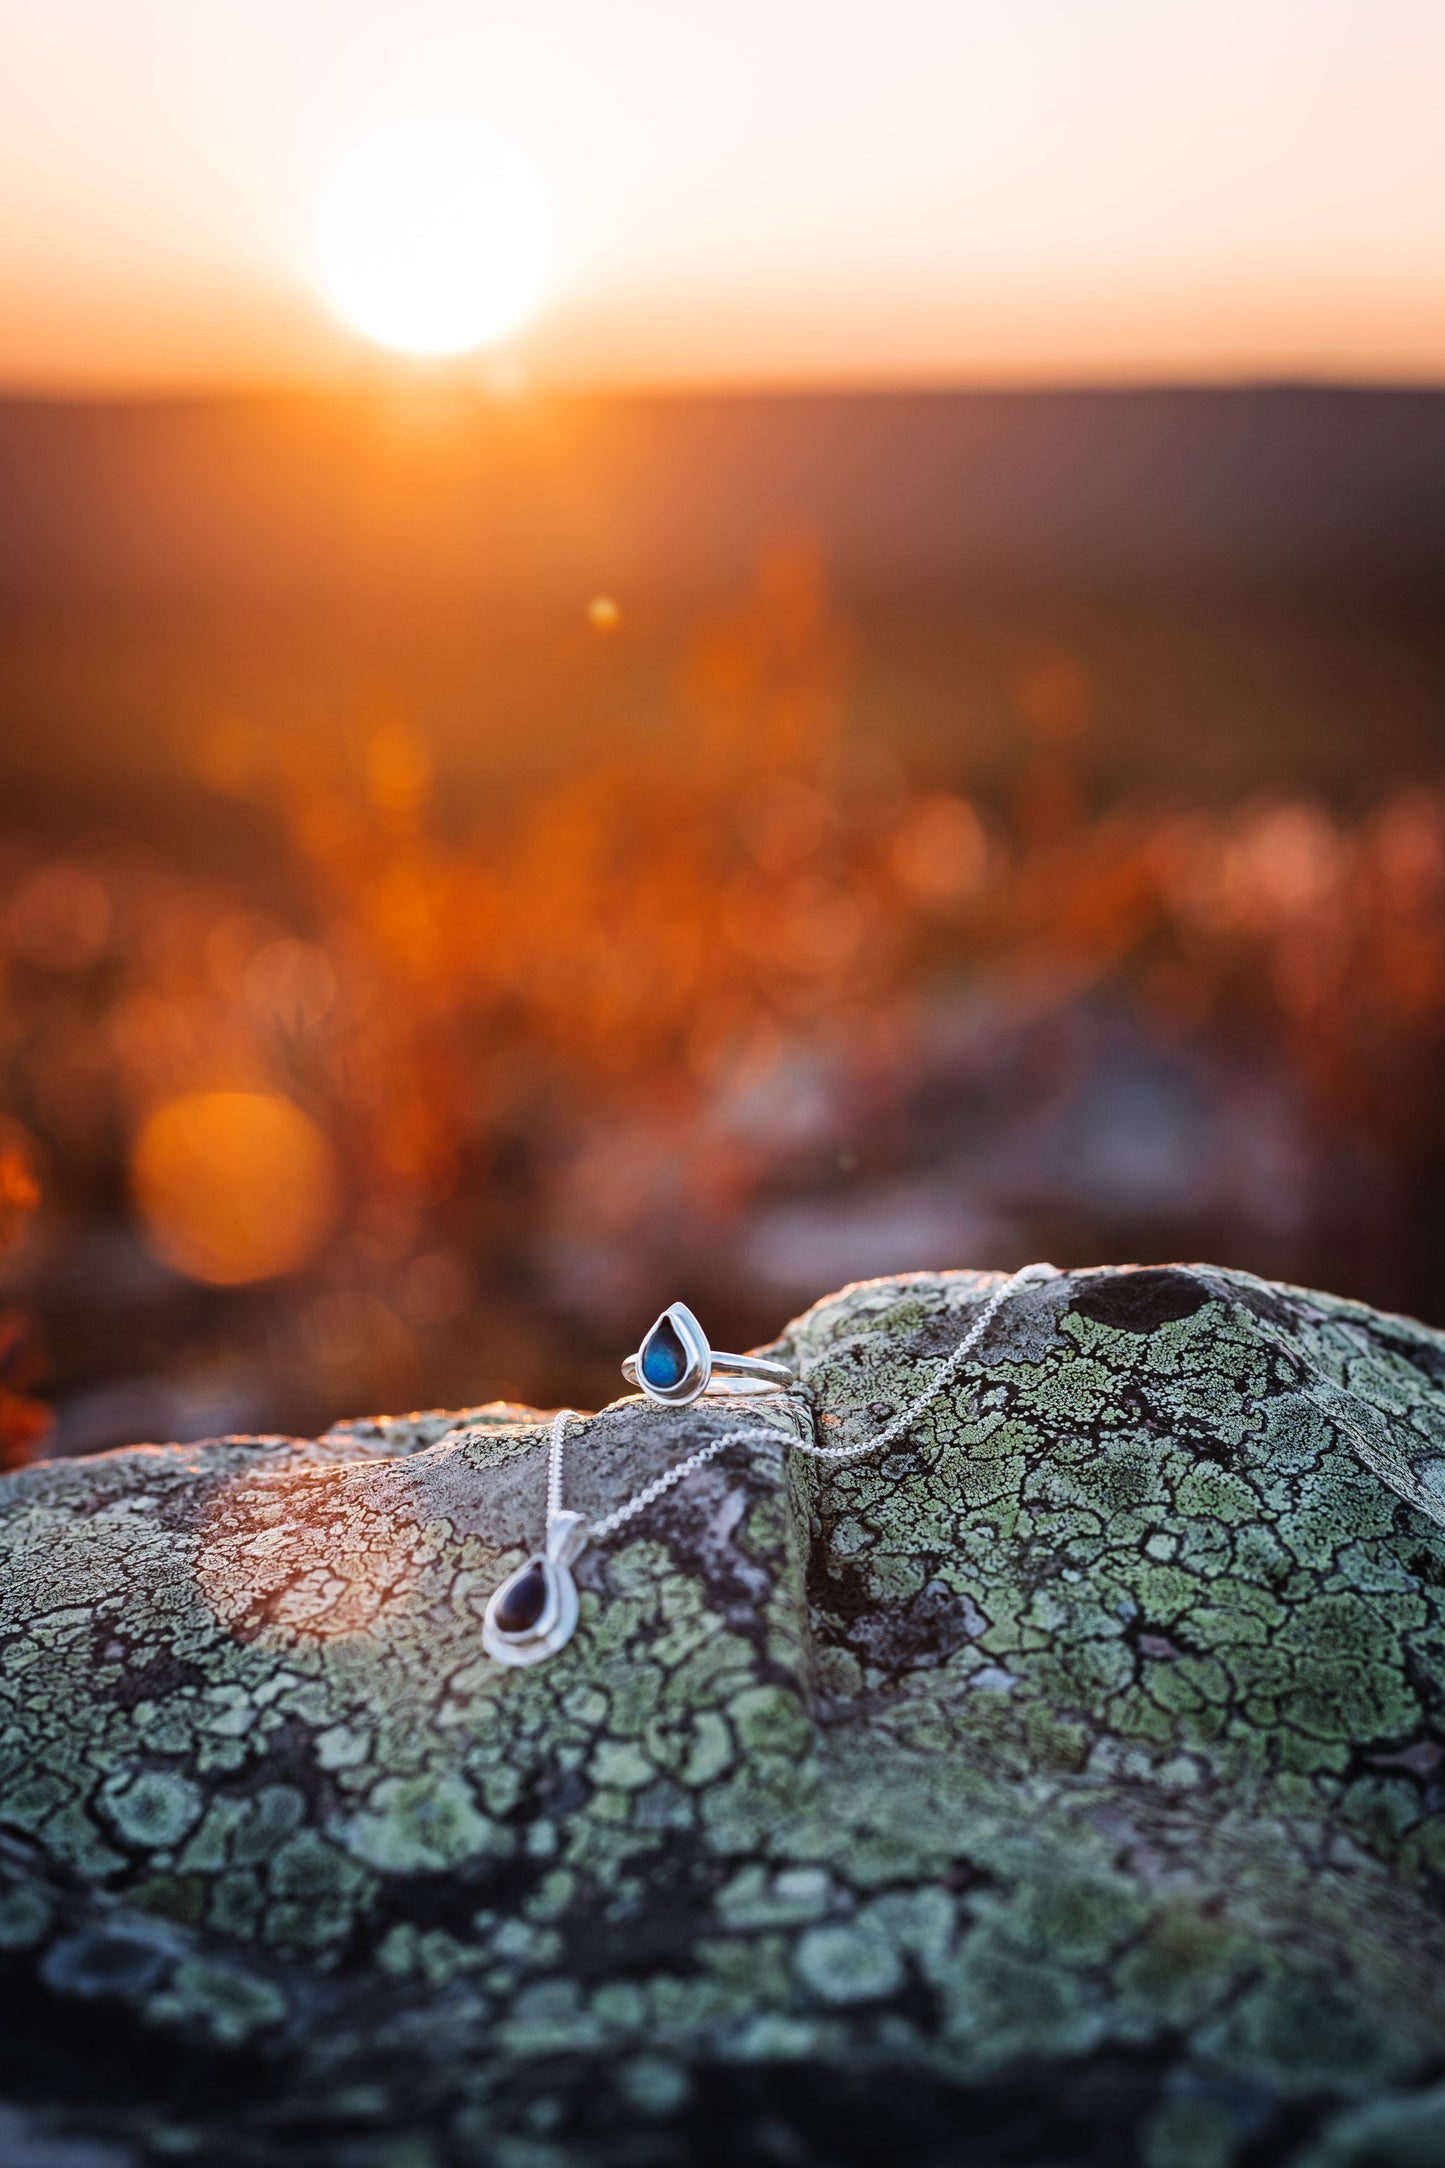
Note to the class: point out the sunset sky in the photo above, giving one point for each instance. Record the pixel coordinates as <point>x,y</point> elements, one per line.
<point>811,191</point>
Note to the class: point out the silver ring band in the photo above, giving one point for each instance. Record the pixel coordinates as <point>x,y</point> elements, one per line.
<point>675,1365</point>
<point>738,1374</point>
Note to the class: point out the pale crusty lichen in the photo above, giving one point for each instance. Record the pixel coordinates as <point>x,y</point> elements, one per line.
<point>1067,1780</point>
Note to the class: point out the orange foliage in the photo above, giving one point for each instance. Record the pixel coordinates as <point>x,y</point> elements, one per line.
<point>629,983</point>
<point>24,1421</point>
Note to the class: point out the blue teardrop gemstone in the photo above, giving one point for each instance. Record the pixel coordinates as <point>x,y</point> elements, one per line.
<point>523,1599</point>
<point>664,1358</point>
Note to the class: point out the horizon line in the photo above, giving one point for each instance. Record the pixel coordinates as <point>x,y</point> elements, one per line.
<point>468,385</point>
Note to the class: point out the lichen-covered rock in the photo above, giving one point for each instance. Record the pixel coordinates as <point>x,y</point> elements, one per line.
<point>1064,1786</point>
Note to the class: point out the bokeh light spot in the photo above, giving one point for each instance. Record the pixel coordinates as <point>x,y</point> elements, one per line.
<point>940,853</point>
<point>60,919</point>
<point>234,1186</point>
<point>290,984</point>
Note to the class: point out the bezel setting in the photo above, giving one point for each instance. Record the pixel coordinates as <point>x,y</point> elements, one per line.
<point>556,1623</point>
<point>697,1373</point>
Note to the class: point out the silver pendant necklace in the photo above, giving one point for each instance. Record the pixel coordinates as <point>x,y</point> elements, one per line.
<point>534,1612</point>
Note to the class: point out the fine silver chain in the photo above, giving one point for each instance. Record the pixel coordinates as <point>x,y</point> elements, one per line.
<point>1399,1477</point>
<point>942,1378</point>
<point>889,1435</point>
<point>650,1492</point>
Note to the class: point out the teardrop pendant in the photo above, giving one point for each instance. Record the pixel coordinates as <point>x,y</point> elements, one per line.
<point>534,1612</point>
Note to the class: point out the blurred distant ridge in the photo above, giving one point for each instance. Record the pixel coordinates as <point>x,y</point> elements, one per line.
<point>474,495</point>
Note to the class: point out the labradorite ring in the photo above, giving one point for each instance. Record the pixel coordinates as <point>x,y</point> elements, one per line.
<point>675,1364</point>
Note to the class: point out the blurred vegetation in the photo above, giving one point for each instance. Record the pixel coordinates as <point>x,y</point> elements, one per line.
<point>737,1012</point>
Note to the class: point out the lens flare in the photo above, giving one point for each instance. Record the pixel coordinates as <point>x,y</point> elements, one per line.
<point>433,237</point>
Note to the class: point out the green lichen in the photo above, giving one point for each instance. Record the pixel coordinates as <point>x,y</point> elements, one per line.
<point>1069,1776</point>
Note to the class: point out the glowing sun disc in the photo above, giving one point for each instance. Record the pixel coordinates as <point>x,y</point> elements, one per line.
<point>433,236</point>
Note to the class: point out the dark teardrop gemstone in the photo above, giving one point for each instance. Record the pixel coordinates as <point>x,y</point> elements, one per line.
<point>664,1358</point>
<point>523,1599</point>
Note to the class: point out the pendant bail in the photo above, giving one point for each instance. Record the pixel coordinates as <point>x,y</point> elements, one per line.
<point>567,1535</point>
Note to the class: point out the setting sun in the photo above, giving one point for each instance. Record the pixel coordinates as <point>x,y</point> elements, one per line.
<point>433,237</point>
